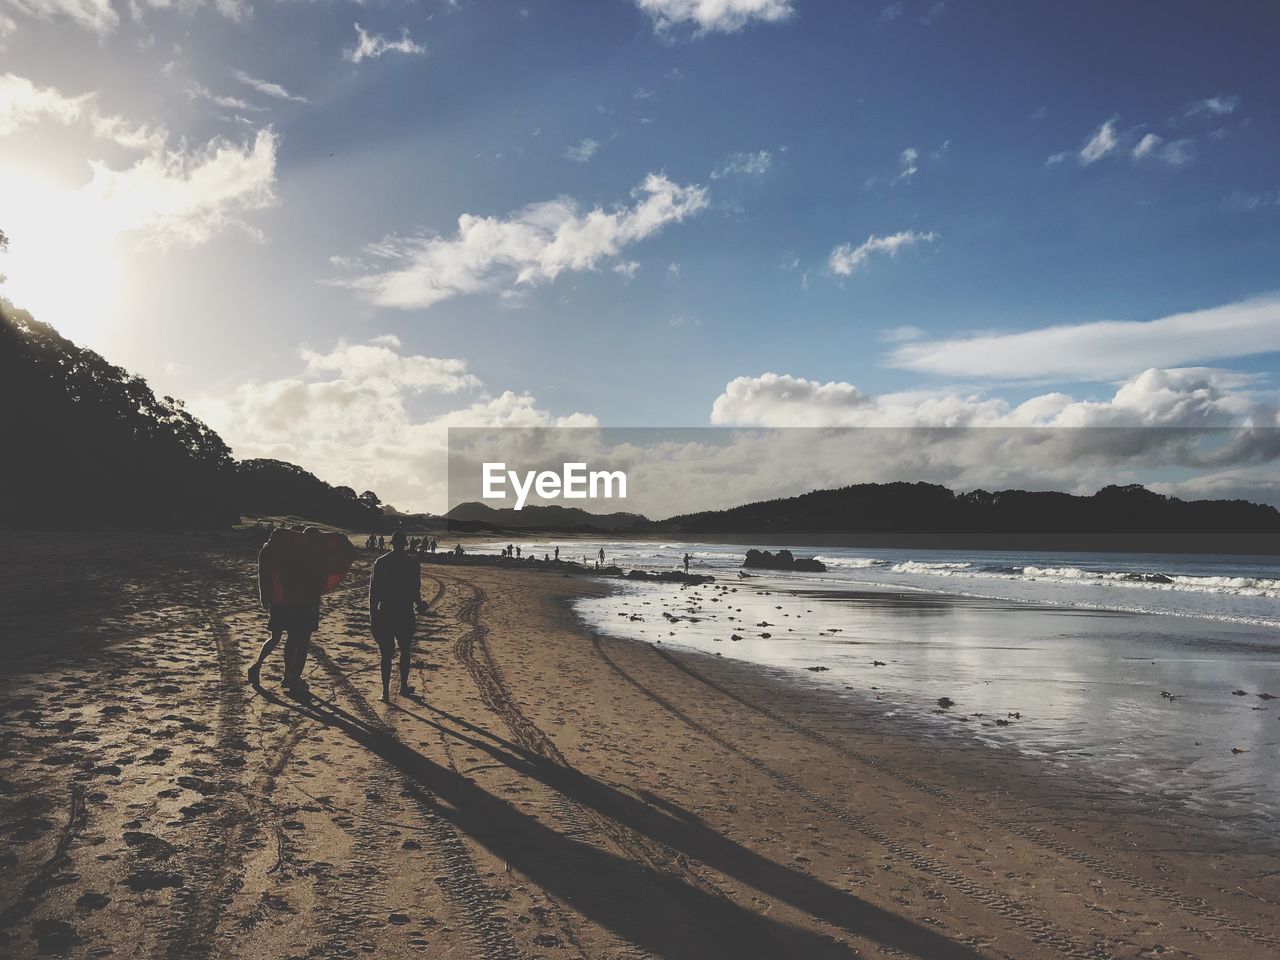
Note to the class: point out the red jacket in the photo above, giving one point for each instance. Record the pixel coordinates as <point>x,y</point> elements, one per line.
<point>298,567</point>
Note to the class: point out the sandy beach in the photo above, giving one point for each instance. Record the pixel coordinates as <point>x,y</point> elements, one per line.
<point>550,793</point>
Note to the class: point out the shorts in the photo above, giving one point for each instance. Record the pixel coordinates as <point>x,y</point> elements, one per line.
<point>294,618</point>
<point>392,629</point>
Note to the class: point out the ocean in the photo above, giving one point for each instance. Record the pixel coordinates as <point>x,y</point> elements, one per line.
<point>1153,673</point>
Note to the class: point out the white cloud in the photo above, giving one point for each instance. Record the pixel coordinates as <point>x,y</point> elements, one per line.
<point>582,151</point>
<point>1219,106</point>
<point>1187,397</point>
<point>95,15</point>
<point>1241,201</point>
<point>709,16</point>
<point>627,269</point>
<point>892,12</point>
<point>184,196</point>
<point>371,46</point>
<point>379,366</point>
<point>1146,145</point>
<point>198,91</point>
<point>532,245</point>
<point>24,104</point>
<point>1102,349</point>
<point>268,88</point>
<point>744,165</point>
<point>907,164</point>
<point>1103,142</point>
<point>347,416</point>
<point>846,258</point>
<point>1177,153</point>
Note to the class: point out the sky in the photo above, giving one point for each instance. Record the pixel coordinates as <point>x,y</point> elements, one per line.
<point>336,229</point>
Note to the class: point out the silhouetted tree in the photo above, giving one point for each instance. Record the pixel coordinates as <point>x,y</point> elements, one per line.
<point>88,443</point>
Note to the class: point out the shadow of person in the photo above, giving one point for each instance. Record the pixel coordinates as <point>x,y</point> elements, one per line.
<point>663,913</point>
<point>685,833</point>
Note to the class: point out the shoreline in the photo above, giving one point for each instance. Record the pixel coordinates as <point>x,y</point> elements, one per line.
<point>555,792</point>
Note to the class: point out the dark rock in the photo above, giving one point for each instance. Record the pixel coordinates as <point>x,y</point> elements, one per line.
<point>782,560</point>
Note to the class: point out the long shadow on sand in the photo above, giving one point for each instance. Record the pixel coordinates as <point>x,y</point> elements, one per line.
<point>643,905</point>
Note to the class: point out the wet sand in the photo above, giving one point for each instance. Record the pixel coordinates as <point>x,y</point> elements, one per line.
<point>551,793</point>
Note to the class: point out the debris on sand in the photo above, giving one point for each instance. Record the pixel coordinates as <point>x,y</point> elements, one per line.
<point>817,669</point>
<point>946,702</point>
<point>1168,696</point>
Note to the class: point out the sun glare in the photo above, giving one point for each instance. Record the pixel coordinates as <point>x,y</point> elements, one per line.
<point>61,265</point>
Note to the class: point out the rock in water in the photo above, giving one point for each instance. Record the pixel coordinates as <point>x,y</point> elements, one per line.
<point>782,560</point>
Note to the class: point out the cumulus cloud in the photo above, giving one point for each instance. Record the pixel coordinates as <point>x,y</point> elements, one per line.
<point>370,46</point>
<point>1180,397</point>
<point>846,258</point>
<point>1102,349</point>
<point>530,246</point>
<point>1184,423</point>
<point>267,88</point>
<point>744,165</point>
<point>169,195</point>
<point>582,151</point>
<point>349,414</point>
<point>711,16</point>
<point>184,196</point>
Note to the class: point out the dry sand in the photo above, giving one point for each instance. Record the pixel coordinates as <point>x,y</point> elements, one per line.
<point>552,794</point>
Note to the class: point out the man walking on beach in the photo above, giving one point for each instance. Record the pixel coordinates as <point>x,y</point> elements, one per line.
<point>295,569</point>
<point>395,595</point>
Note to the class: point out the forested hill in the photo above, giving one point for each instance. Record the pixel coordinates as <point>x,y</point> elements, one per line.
<point>87,444</point>
<point>925,508</point>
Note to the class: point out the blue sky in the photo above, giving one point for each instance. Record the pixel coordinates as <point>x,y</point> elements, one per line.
<point>840,194</point>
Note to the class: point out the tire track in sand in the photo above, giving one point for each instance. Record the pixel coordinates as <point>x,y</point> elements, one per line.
<point>477,903</point>
<point>472,650</point>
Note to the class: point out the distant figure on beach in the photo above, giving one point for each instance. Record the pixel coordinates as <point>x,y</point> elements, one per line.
<point>686,563</point>
<point>517,553</point>
<point>557,554</point>
<point>395,596</point>
<point>546,558</point>
<point>601,563</point>
<point>294,571</point>
<point>382,543</point>
<point>457,551</point>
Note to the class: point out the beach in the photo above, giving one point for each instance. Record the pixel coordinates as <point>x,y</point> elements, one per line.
<point>554,791</point>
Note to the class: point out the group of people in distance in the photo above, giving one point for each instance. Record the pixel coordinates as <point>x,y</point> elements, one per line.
<point>297,566</point>
<point>415,544</point>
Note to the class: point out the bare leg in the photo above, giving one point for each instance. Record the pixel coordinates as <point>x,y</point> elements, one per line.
<point>406,661</point>
<point>273,641</point>
<point>387,651</point>
<point>296,658</point>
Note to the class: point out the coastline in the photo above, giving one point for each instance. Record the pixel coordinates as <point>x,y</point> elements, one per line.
<point>556,793</point>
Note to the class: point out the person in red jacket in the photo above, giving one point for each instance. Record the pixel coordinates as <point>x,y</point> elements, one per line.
<point>295,569</point>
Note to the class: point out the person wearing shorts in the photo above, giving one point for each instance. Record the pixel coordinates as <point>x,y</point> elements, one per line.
<point>395,597</point>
